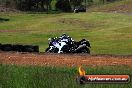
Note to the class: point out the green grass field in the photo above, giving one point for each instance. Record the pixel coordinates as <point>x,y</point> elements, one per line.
<point>109,33</point>
<point>12,76</point>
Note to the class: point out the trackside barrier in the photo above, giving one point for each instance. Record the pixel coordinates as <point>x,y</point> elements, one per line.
<point>30,48</point>
<point>6,47</point>
<point>0,46</point>
<point>19,48</point>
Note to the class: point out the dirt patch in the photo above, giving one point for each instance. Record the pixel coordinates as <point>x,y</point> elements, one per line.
<point>77,22</point>
<point>6,9</point>
<point>64,60</point>
<point>123,8</point>
<point>14,31</point>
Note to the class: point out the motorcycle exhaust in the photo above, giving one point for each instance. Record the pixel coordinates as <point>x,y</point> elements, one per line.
<point>81,46</point>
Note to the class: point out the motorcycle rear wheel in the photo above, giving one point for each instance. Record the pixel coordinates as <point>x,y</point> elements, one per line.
<point>85,50</point>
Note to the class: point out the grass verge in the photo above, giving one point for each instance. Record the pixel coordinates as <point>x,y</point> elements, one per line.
<point>14,76</point>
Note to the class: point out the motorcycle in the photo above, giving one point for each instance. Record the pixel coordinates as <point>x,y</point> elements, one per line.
<point>56,46</point>
<point>82,46</point>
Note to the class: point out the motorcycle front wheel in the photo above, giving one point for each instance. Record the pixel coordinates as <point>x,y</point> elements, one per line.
<point>47,49</point>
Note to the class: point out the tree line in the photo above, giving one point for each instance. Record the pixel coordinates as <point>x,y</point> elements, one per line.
<point>47,5</point>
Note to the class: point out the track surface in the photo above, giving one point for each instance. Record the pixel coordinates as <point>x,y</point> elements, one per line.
<point>63,60</point>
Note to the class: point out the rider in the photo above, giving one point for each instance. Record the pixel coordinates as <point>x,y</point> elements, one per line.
<point>65,38</point>
<point>62,41</point>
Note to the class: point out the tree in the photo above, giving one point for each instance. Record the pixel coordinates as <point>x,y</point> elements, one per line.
<point>63,5</point>
<point>34,5</point>
<point>75,3</point>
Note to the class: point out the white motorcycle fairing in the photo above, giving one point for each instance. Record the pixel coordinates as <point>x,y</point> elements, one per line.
<point>59,45</point>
